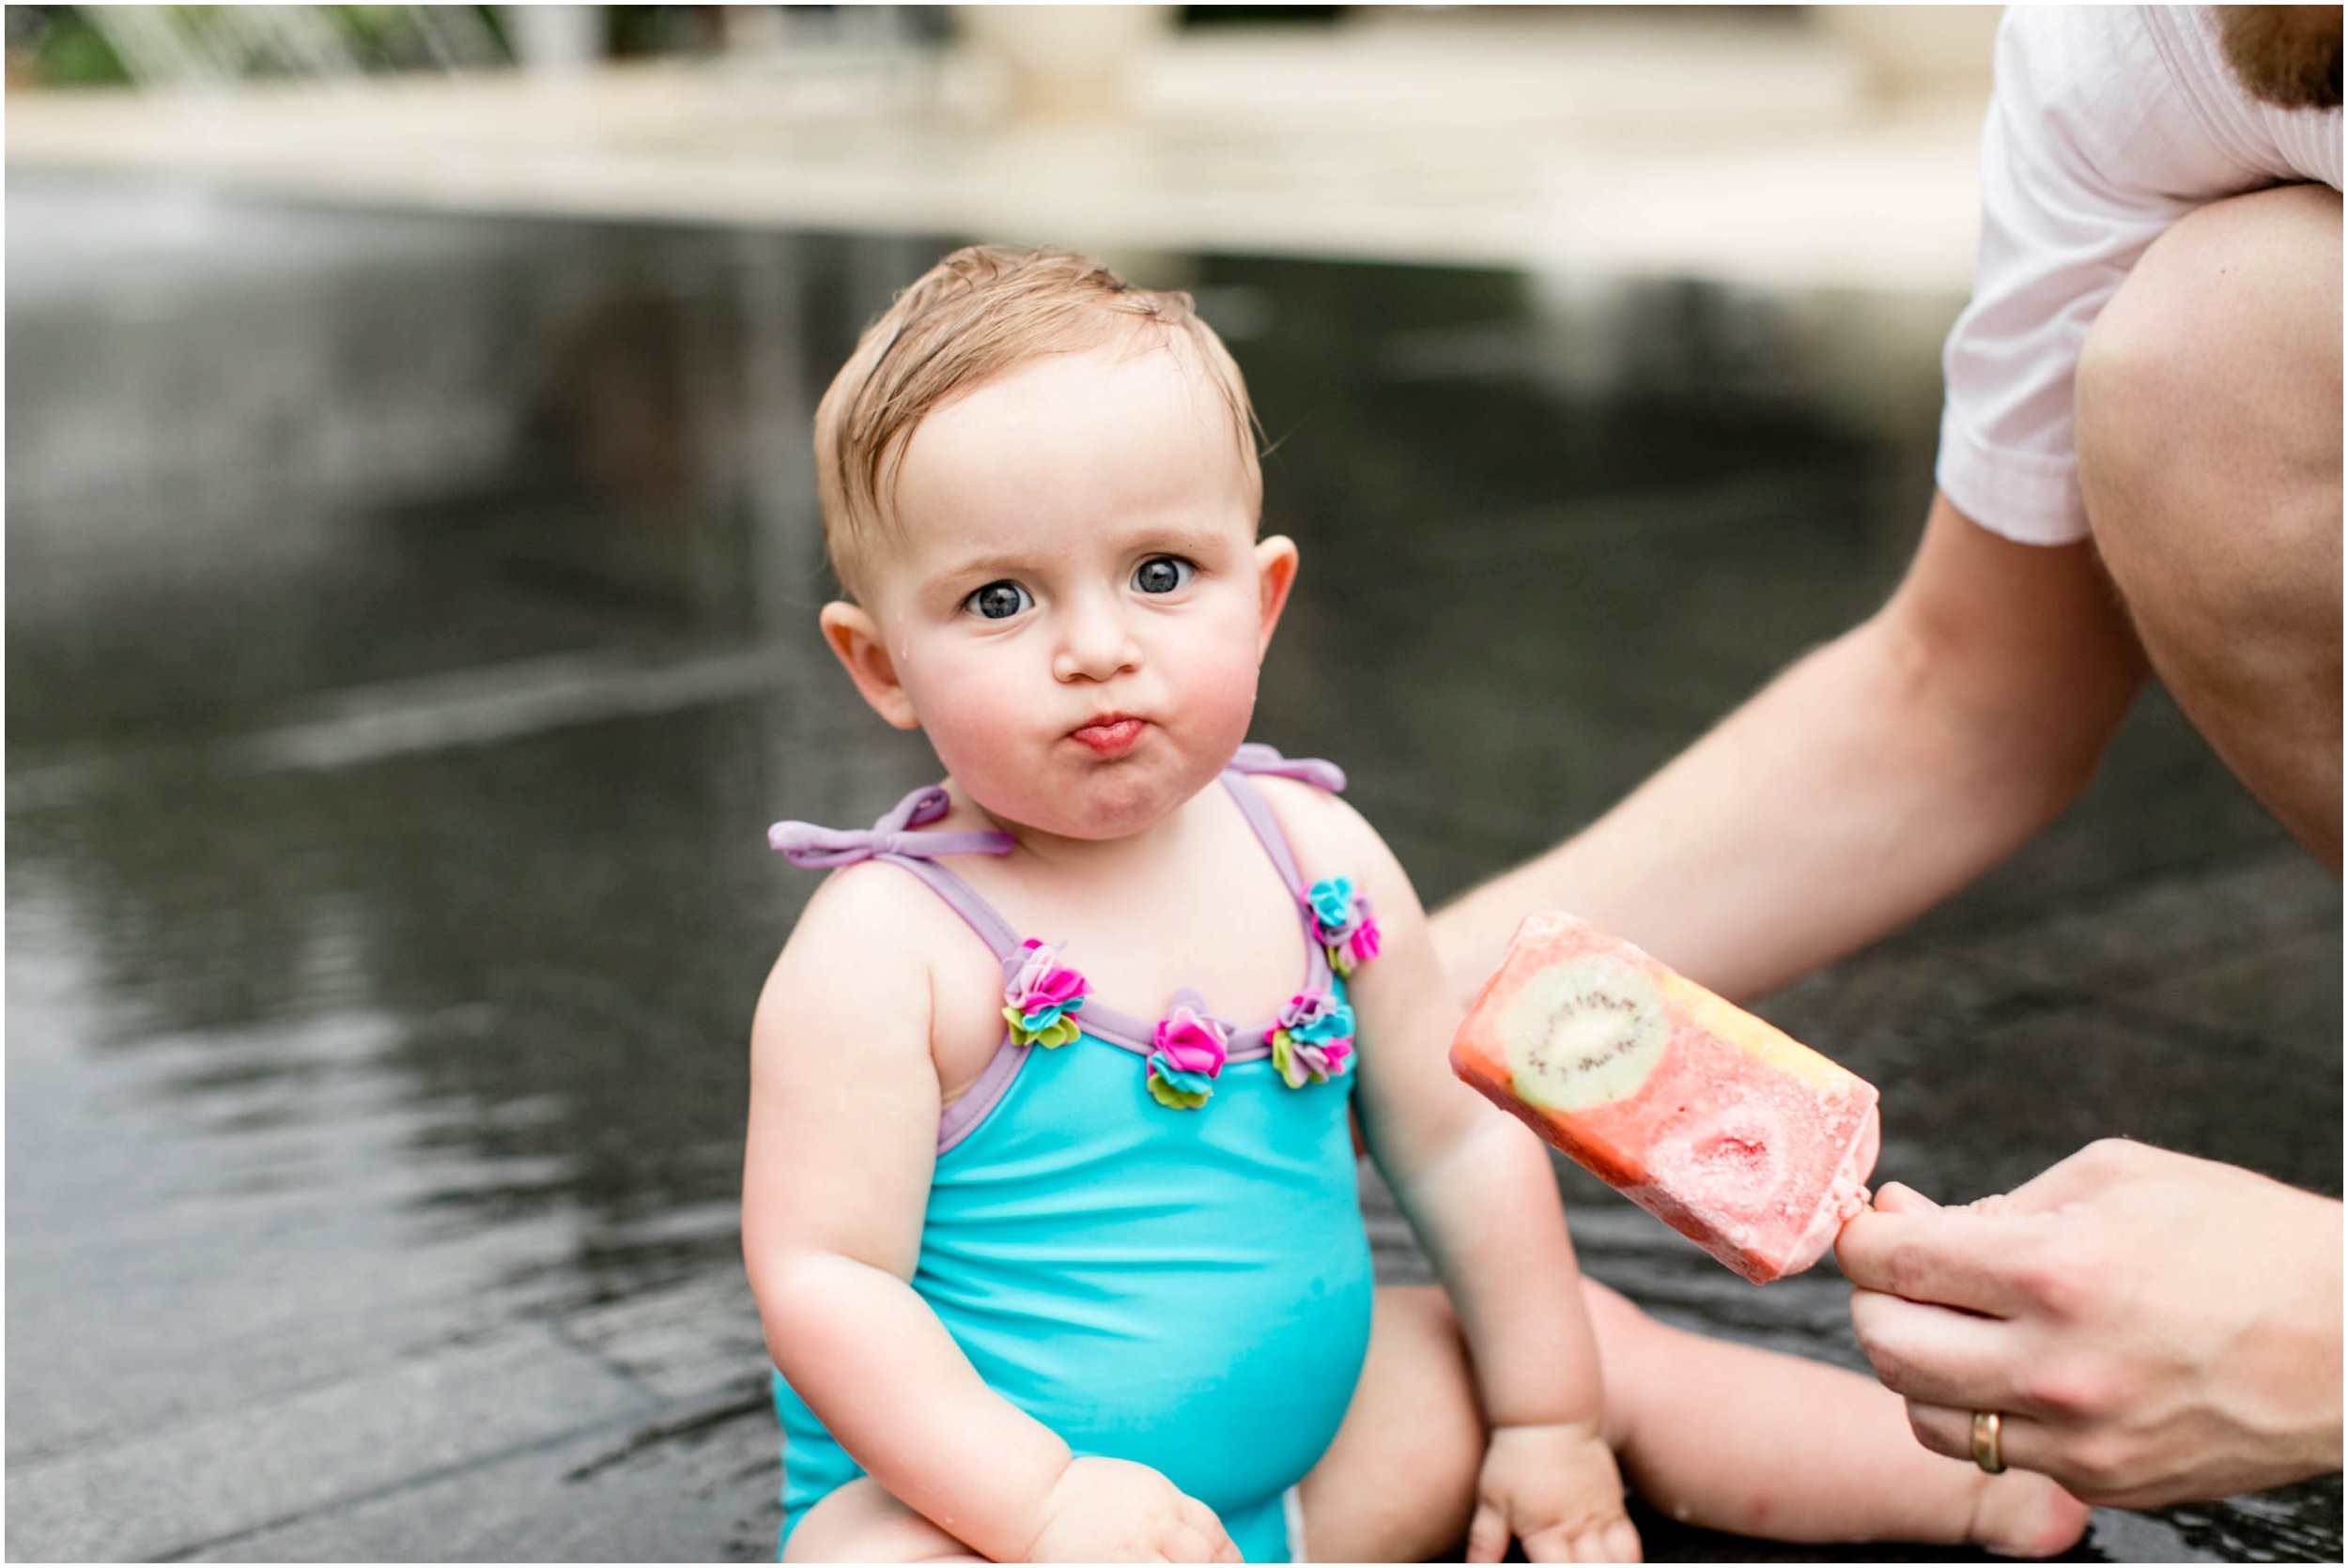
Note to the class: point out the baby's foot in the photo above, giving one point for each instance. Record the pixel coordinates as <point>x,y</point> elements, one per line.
<point>2021,1515</point>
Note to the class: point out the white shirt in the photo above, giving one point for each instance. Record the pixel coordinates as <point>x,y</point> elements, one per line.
<point>2107,124</point>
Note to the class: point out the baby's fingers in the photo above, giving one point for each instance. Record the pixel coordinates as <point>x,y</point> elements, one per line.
<point>1488,1535</point>
<point>1549,1545</point>
<point>1197,1546</point>
<point>1612,1542</point>
<point>1214,1542</point>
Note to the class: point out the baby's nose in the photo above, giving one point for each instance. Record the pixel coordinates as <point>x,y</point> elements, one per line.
<point>1095,645</point>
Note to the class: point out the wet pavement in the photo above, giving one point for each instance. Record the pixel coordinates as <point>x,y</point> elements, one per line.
<point>411,630</point>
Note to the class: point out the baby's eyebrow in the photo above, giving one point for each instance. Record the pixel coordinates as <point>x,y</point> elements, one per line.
<point>1177,539</point>
<point>997,565</point>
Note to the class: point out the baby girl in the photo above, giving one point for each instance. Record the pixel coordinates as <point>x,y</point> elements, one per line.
<point>1050,1202</point>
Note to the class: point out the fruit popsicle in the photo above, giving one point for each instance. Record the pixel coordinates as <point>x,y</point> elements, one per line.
<point>1732,1132</point>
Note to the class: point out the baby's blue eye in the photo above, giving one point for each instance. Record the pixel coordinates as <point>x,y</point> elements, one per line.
<point>998,601</point>
<point>1163,574</point>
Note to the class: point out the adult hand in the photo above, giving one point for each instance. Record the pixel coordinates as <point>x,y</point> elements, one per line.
<point>2150,1327</point>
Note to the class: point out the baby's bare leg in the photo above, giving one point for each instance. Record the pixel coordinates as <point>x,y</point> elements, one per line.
<point>863,1523</point>
<point>1736,1438</point>
<point>1399,1482</point>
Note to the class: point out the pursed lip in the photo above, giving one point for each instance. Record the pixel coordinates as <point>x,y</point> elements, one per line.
<point>1109,734</point>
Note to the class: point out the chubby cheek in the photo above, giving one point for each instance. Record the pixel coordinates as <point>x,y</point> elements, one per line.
<point>971,711</point>
<point>1219,700</point>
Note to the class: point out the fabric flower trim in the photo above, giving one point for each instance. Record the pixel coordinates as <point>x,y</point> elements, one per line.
<point>1187,1057</point>
<point>1342,923</point>
<point>1042,997</point>
<point>1313,1038</point>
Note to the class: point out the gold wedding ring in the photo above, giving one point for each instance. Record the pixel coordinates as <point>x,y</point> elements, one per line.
<point>1987,1453</point>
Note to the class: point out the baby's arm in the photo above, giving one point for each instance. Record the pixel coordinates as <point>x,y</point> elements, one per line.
<point>844,1105</point>
<point>1480,1193</point>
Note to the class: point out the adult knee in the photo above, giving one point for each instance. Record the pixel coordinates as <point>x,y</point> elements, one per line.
<point>2208,406</point>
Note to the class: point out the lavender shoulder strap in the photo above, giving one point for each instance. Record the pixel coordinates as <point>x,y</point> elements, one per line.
<point>893,839</point>
<point>1257,759</point>
<point>1255,756</point>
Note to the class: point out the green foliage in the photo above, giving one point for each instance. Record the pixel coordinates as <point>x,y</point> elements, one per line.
<point>65,51</point>
<point>62,46</point>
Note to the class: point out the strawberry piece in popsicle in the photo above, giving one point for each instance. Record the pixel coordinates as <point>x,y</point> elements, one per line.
<point>1733,1133</point>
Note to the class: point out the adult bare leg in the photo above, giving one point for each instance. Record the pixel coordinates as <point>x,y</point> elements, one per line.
<point>1717,1433</point>
<point>1733,1437</point>
<point>2209,450</point>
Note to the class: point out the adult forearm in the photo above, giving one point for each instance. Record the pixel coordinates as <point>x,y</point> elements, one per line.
<point>1872,779</point>
<point>892,1386</point>
<point>1829,809</point>
<point>1842,801</point>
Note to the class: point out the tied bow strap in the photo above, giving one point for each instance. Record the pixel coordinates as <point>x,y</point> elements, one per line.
<point>824,848</point>
<point>1255,756</point>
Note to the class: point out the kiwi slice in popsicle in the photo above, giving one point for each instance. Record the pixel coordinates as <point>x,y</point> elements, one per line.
<point>1582,1034</point>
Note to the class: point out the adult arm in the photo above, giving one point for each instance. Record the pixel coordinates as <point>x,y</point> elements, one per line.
<point>844,1105</point>
<point>2150,1327</point>
<point>1868,782</point>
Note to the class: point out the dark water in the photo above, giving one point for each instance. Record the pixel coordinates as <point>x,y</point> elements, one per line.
<point>410,633</point>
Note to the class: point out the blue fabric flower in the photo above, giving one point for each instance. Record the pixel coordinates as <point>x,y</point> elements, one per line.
<point>1332,902</point>
<point>1333,1021</point>
<point>1312,1041</point>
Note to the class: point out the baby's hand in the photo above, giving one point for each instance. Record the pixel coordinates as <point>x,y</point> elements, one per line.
<point>1110,1511</point>
<point>1554,1489</point>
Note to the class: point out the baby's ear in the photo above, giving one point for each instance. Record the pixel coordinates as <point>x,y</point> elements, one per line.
<point>1275,574</point>
<point>855,639</point>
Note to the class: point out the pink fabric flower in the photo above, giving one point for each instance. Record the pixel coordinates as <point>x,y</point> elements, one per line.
<point>1044,981</point>
<point>1362,943</point>
<point>1187,1057</point>
<point>1190,1042</point>
<point>1040,995</point>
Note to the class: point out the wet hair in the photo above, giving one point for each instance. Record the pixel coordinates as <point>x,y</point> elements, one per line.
<point>979,312</point>
<point>2287,55</point>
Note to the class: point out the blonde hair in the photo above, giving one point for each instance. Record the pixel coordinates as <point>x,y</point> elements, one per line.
<point>980,312</point>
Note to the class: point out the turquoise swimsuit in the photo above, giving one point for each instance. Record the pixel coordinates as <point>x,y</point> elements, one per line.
<point>1145,1234</point>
